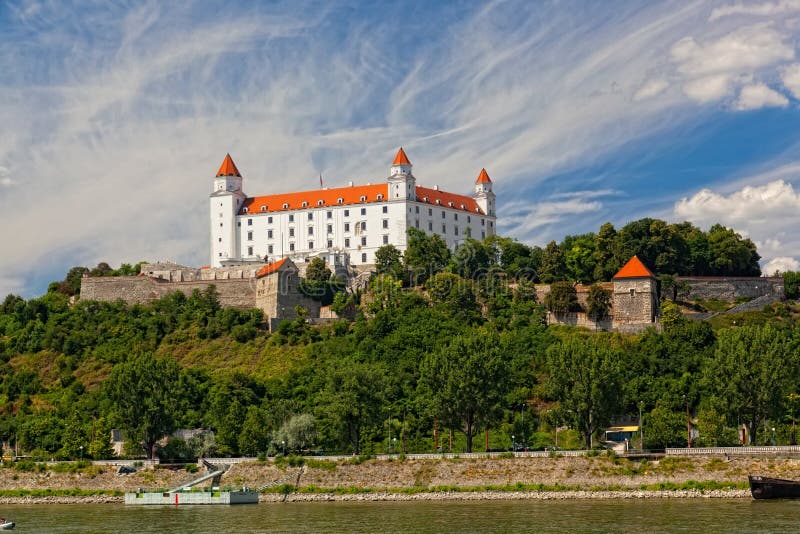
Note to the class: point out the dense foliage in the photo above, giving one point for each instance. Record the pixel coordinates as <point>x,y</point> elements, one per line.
<point>466,351</point>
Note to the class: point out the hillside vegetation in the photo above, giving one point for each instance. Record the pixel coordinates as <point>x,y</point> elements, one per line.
<point>440,342</point>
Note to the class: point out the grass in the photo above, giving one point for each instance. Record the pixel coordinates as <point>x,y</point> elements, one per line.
<point>59,493</point>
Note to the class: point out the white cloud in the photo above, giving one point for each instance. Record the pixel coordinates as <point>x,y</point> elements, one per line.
<point>711,67</point>
<point>650,89</point>
<point>5,177</point>
<point>530,221</point>
<point>757,96</point>
<point>765,9</point>
<point>790,76</point>
<point>781,264</point>
<point>769,214</point>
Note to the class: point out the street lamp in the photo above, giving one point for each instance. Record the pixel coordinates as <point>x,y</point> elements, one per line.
<point>513,445</point>
<point>773,437</point>
<point>641,426</point>
<point>394,445</point>
<point>81,448</point>
<point>688,425</point>
<point>283,444</point>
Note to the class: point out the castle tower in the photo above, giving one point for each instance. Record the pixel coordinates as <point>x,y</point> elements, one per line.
<point>402,184</point>
<point>225,201</point>
<point>483,193</point>
<point>636,305</point>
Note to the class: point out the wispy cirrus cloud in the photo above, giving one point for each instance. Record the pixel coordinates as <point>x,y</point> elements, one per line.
<point>117,115</point>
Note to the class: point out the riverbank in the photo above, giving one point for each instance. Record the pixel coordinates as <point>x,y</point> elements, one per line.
<point>599,477</point>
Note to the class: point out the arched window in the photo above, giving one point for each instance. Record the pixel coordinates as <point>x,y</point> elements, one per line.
<point>285,205</point>
<point>263,208</point>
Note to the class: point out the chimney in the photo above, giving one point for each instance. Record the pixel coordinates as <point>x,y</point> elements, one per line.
<point>350,184</point>
<point>435,187</point>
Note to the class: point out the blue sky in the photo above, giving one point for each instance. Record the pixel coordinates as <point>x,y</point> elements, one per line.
<point>115,116</point>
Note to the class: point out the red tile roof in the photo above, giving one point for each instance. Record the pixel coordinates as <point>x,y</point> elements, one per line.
<point>441,198</point>
<point>228,167</point>
<point>634,269</point>
<point>483,178</point>
<point>271,268</point>
<point>401,158</point>
<point>360,194</point>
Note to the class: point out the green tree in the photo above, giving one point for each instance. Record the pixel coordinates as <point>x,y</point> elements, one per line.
<point>465,382</point>
<point>142,395</point>
<point>732,255</point>
<point>318,271</point>
<point>665,428</point>
<point>298,433</point>
<point>255,434</point>
<point>425,255</point>
<point>455,295</point>
<point>579,257</point>
<point>585,378</point>
<point>389,261</point>
<point>553,266</point>
<point>598,302</point>
<point>791,285</point>
<point>751,372</point>
<point>562,298</point>
<point>606,256</point>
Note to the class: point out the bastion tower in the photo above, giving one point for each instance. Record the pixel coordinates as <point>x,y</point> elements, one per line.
<point>225,202</point>
<point>484,196</point>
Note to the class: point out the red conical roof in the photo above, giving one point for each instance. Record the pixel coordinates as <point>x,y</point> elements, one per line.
<point>228,167</point>
<point>634,269</point>
<point>483,178</point>
<point>401,158</point>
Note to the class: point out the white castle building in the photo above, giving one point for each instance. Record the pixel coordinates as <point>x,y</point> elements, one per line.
<point>345,224</point>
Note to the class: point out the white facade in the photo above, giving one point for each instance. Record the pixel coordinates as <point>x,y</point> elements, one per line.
<point>355,221</point>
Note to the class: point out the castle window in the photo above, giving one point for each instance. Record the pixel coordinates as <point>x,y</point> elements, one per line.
<point>469,219</point>
<point>320,202</point>
<point>269,234</point>
<point>490,224</point>
<point>364,257</point>
<point>220,215</point>
<point>444,228</point>
<point>220,254</point>
<point>310,230</point>
<point>329,215</point>
<point>483,235</point>
<point>386,223</point>
<point>438,201</point>
<point>386,240</point>
<point>347,242</point>
<point>244,210</point>
<point>364,226</point>
<point>455,216</point>
<point>220,225</point>
<point>339,200</point>
<point>483,222</point>
<point>363,211</point>
<point>291,218</point>
<point>430,226</point>
<point>263,208</point>
<point>249,222</point>
<point>330,228</point>
<point>291,232</point>
<point>363,198</point>
<point>633,292</point>
<point>463,207</point>
<point>380,196</point>
<point>455,230</point>
<point>249,251</point>
<point>310,245</point>
<point>291,247</point>
<point>416,209</point>
<point>346,227</point>
<point>330,243</point>
<point>285,205</point>
<point>444,215</point>
<point>310,216</point>
<point>363,241</point>
<point>424,199</point>
<point>430,212</point>
<point>249,236</point>
<point>269,220</point>
<point>450,204</point>
<point>269,249</point>
<point>238,224</point>
<point>347,213</point>
<point>219,240</point>
<point>304,204</point>
<point>416,223</point>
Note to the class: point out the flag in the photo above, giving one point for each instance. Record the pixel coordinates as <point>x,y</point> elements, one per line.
<point>320,180</point>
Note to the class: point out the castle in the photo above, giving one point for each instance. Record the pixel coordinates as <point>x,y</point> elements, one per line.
<point>344,225</point>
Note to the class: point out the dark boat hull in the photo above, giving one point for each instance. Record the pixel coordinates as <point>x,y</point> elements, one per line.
<point>773,488</point>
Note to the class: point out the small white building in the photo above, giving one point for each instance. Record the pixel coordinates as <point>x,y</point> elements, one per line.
<point>345,222</point>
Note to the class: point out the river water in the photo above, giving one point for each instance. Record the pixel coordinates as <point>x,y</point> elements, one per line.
<point>652,515</point>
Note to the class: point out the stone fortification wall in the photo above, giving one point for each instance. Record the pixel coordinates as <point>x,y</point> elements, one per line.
<point>731,288</point>
<point>233,293</point>
<point>172,272</point>
<point>579,319</point>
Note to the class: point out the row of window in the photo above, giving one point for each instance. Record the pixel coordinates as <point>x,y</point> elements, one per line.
<point>362,225</point>
<point>310,215</point>
<point>271,248</point>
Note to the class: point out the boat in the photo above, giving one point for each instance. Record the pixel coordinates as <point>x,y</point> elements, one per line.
<point>6,524</point>
<point>773,488</point>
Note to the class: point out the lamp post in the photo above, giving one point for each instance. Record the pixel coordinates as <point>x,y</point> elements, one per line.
<point>81,447</point>
<point>688,425</point>
<point>641,426</point>
<point>773,437</point>
<point>394,445</point>
<point>283,445</point>
<point>513,446</point>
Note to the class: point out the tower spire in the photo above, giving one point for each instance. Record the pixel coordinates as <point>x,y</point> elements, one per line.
<point>228,167</point>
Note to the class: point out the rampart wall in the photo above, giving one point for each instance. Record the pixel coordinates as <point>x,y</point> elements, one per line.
<point>233,293</point>
<point>730,288</point>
